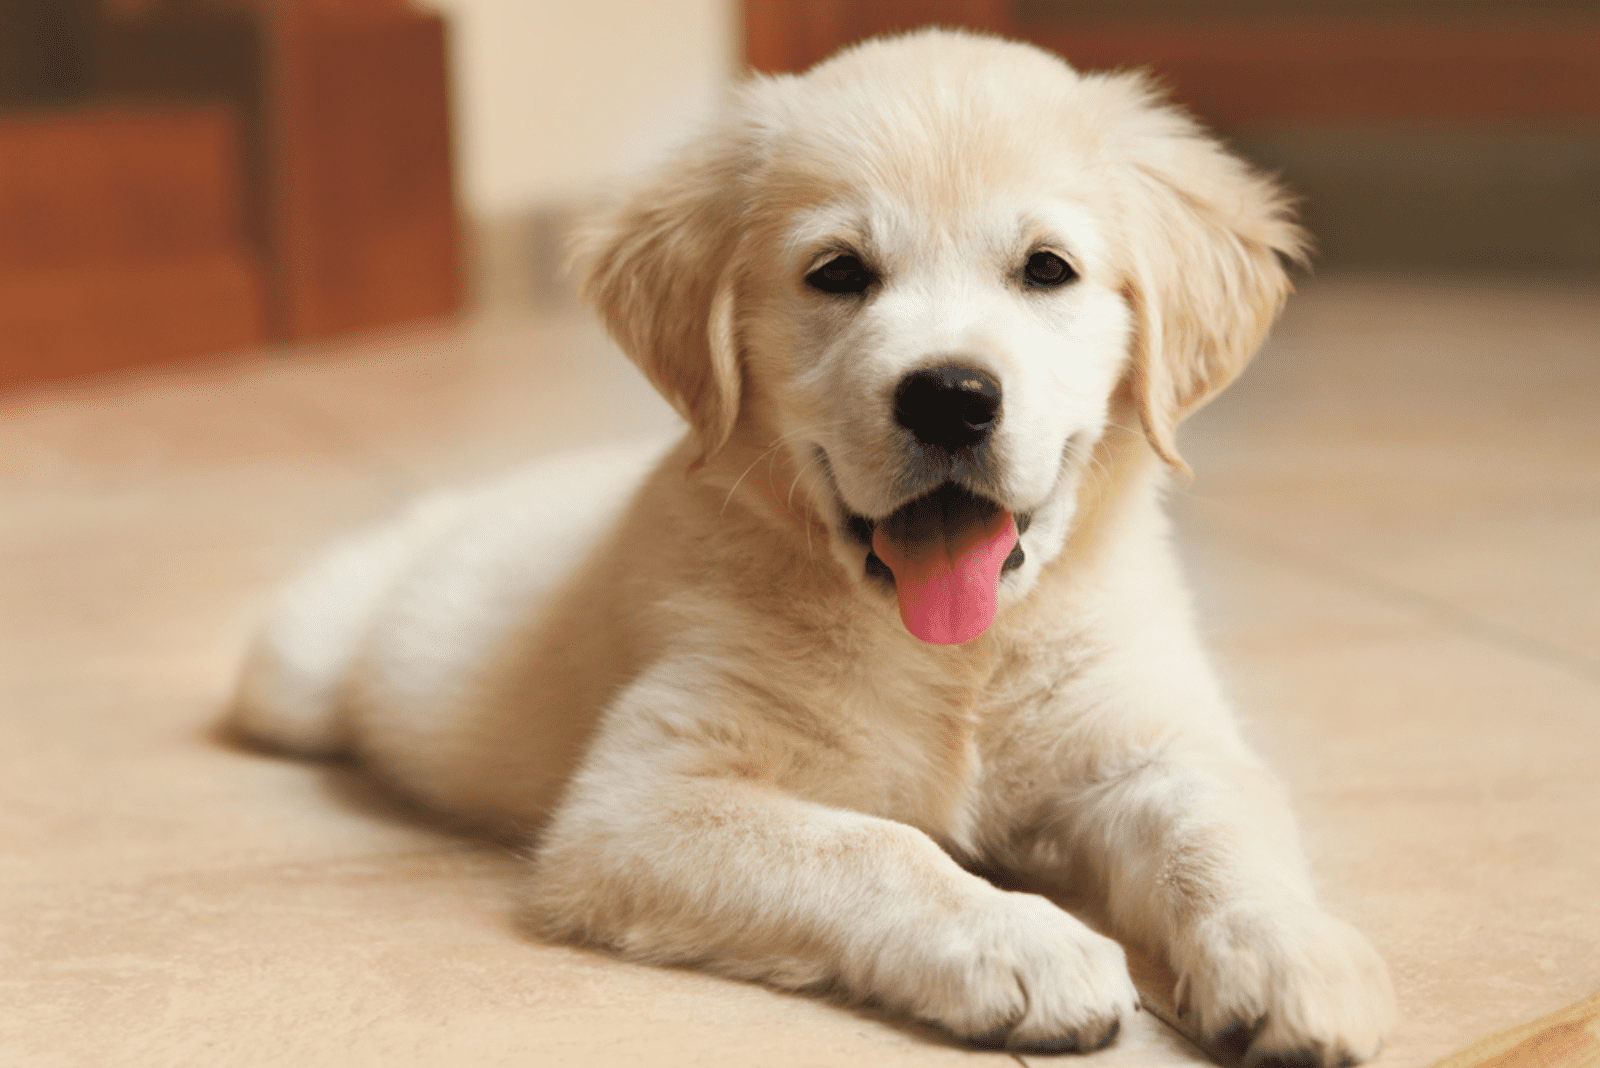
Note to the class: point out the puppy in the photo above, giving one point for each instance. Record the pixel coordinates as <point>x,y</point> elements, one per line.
<point>902,599</point>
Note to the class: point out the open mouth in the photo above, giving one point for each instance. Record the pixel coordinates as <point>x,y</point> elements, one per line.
<point>944,554</point>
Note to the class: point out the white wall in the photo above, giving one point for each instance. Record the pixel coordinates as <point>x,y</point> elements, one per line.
<point>553,97</point>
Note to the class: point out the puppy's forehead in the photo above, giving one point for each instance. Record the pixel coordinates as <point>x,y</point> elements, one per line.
<point>931,133</point>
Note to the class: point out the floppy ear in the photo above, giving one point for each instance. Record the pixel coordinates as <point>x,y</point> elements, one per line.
<point>1207,244</point>
<point>657,267</point>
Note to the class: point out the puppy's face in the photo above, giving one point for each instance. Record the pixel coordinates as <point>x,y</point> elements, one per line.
<point>920,273</point>
<point>938,352</point>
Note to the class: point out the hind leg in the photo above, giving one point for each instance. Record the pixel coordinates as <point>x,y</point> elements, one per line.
<point>462,653</point>
<point>292,686</point>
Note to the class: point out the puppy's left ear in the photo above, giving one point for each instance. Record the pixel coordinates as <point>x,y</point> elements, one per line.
<point>658,267</point>
<point>1208,241</point>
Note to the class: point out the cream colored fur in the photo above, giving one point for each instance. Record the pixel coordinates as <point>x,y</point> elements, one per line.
<point>710,721</point>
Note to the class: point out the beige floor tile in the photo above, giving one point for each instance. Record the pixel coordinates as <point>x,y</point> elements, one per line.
<point>132,510</point>
<point>1443,439</point>
<point>1446,785</point>
<point>448,405</point>
<point>142,523</point>
<point>157,573</point>
<point>399,961</point>
<point>126,777</point>
<point>180,430</point>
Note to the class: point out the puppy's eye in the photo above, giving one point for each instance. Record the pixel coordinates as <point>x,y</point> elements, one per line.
<point>842,274</point>
<point>1046,270</point>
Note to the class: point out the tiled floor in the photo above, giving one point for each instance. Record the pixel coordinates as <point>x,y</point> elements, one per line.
<point>1395,536</point>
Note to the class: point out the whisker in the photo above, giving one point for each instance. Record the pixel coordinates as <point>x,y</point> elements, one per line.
<point>1088,458</point>
<point>788,502</point>
<point>764,454</point>
<point>809,462</point>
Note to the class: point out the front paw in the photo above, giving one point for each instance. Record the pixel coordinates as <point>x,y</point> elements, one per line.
<point>1286,986</point>
<point>1013,971</point>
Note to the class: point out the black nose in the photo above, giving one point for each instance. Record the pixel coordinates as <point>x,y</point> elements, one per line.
<point>950,406</point>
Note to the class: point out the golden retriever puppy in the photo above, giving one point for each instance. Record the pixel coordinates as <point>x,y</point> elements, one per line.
<point>901,601</point>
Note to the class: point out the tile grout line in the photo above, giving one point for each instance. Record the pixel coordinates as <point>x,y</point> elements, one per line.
<point>1453,617</point>
<point>1149,1005</point>
<point>1146,1005</point>
<point>465,849</point>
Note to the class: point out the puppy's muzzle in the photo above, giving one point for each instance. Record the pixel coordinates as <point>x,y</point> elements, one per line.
<point>948,407</point>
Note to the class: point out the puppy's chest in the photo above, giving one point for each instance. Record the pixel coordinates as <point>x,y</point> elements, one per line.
<point>907,749</point>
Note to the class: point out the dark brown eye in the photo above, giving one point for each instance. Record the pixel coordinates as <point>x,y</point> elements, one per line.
<point>1046,270</point>
<point>842,274</point>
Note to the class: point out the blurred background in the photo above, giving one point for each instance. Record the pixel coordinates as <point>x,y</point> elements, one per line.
<point>186,177</point>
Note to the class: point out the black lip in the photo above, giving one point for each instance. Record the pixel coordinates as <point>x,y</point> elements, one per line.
<point>860,529</point>
<point>877,569</point>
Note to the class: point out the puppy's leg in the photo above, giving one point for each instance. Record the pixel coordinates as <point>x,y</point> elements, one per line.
<point>676,844</point>
<point>1197,854</point>
<point>291,688</point>
<point>1215,868</point>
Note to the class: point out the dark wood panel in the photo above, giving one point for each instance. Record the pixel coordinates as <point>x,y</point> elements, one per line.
<point>345,104</point>
<point>160,54</point>
<point>59,324</point>
<point>786,35</point>
<point>120,242</point>
<point>117,185</point>
<point>365,212</point>
<point>1243,75</point>
<point>1254,65</point>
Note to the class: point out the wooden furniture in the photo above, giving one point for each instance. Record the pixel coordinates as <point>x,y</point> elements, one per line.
<point>363,212</point>
<point>198,175</point>
<point>1248,64</point>
<point>120,241</point>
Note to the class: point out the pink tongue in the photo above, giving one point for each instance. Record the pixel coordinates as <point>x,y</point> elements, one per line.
<point>945,577</point>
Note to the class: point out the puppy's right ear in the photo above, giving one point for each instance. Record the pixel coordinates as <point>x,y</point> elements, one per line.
<point>658,268</point>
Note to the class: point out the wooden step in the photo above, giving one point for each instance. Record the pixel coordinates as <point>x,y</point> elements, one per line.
<point>121,240</point>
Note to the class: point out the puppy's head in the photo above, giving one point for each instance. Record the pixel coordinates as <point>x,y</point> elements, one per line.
<point>925,277</point>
